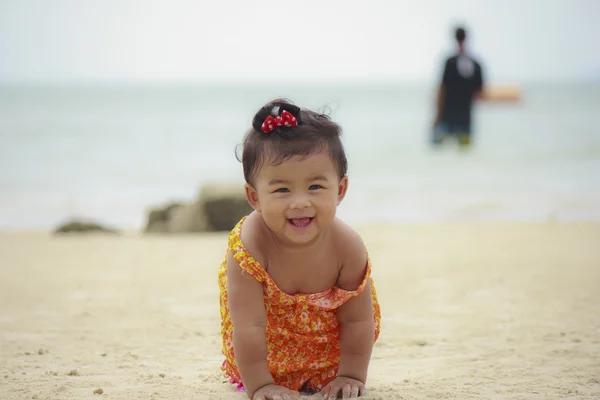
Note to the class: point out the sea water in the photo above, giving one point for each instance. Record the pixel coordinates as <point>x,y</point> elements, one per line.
<point>110,153</point>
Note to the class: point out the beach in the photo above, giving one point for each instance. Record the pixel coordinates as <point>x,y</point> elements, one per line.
<point>470,310</point>
<point>123,127</point>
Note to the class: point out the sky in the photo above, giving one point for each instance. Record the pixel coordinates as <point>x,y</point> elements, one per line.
<point>231,41</point>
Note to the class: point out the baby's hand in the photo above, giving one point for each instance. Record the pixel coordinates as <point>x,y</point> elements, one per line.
<point>350,388</point>
<point>275,392</point>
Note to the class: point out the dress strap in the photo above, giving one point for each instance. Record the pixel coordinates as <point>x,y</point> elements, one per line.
<point>337,296</point>
<point>366,278</point>
<point>242,256</point>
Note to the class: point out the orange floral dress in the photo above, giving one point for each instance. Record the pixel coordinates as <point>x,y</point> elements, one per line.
<point>303,347</point>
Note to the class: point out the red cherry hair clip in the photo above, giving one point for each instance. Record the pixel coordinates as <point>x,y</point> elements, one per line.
<point>286,119</point>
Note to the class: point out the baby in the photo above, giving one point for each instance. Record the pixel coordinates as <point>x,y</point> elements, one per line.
<point>299,312</point>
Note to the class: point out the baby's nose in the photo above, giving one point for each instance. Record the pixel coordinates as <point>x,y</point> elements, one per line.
<point>300,202</point>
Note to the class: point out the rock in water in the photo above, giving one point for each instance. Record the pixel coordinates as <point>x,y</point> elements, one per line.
<point>79,226</point>
<point>217,207</point>
<point>223,205</point>
<point>158,218</point>
<point>187,219</point>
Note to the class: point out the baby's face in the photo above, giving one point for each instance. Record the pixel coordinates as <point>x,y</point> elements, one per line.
<point>299,197</point>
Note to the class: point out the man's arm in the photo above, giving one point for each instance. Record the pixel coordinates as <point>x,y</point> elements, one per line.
<point>479,84</point>
<point>357,328</point>
<point>441,94</point>
<point>246,306</point>
<point>439,104</point>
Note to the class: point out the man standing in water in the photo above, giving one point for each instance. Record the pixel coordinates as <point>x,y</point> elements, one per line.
<point>462,83</point>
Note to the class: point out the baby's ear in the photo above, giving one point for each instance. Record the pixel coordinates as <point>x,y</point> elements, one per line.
<point>252,197</point>
<point>342,188</point>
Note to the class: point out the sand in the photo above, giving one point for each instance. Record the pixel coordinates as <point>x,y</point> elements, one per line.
<point>470,311</point>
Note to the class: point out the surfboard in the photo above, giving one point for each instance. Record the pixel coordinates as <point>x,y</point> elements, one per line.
<point>502,93</point>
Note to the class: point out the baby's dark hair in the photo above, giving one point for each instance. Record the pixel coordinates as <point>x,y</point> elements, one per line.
<point>314,133</point>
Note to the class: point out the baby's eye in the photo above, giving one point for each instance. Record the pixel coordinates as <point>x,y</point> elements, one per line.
<point>282,190</point>
<point>315,187</point>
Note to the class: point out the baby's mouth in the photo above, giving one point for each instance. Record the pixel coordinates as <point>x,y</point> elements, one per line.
<point>300,222</point>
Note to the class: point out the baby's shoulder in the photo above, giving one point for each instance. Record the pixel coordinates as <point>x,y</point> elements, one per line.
<point>252,234</point>
<point>346,241</point>
<point>352,255</point>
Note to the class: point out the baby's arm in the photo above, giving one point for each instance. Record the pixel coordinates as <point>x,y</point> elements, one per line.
<point>248,315</point>
<point>357,329</point>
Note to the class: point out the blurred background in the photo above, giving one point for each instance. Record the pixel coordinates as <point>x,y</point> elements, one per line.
<point>110,107</point>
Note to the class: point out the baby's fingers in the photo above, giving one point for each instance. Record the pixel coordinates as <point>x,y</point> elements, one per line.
<point>346,391</point>
<point>329,392</point>
<point>362,390</point>
<point>351,391</point>
<point>325,392</point>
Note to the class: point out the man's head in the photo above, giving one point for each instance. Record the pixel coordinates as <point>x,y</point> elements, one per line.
<point>460,34</point>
